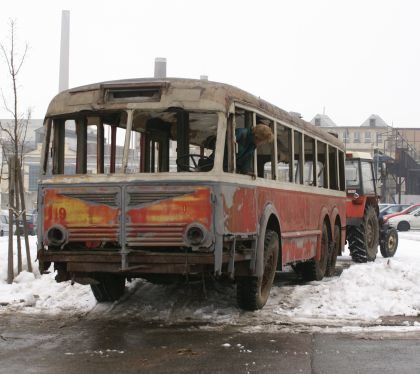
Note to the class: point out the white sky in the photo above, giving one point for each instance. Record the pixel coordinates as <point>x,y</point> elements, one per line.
<point>354,58</point>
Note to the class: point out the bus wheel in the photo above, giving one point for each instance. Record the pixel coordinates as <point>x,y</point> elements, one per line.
<point>335,249</point>
<point>316,269</point>
<point>252,292</point>
<point>110,287</point>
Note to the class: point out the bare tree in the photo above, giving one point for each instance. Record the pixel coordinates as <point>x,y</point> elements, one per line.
<point>13,142</point>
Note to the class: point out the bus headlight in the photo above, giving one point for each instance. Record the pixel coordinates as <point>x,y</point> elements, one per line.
<point>56,235</point>
<point>196,235</point>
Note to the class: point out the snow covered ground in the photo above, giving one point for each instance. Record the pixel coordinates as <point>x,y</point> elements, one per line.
<point>362,297</point>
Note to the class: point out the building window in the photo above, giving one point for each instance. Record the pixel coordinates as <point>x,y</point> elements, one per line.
<point>372,122</point>
<point>33,177</point>
<point>356,137</point>
<point>378,138</point>
<point>346,136</point>
<point>317,121</point>
<point>367,137</point>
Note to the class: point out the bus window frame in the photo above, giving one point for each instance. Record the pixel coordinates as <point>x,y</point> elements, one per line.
<point>302,131</point>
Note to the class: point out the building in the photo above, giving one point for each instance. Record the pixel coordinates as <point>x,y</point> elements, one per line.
<point>395,151</point>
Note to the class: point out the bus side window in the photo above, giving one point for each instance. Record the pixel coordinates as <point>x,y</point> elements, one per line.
<point>298,157</point>
<point>243,122</point>
<point>333,169</point>
<point>265,154</point>
<point>309,169</point>
<point>322,170</point>
<point>341,171</point>
<point>284,152</point>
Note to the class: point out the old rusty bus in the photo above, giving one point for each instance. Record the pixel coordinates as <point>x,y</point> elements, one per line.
<point>139,180</point>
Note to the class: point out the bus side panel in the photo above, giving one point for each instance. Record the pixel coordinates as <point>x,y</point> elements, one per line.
<point>300,220</point>
<point>239,209</point>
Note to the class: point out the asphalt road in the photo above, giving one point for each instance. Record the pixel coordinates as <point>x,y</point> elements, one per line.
<point>42,344</point>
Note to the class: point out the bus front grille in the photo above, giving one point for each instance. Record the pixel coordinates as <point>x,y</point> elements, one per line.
<point>103,198</point>
<point>147,197</point>
<point>99,233</point>
<point>153,235</point>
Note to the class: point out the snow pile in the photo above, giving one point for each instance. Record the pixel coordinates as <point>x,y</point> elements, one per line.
<point>363,292</point>
<point>33,293</point>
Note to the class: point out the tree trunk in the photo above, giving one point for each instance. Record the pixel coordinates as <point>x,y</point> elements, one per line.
<point>10,271</point>
<point>25,222</point>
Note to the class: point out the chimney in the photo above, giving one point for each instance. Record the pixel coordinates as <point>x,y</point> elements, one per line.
<point>63,82</point>
<point>160,67</point>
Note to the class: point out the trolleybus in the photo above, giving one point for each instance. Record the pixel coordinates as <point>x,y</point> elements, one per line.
<point>139,179</point>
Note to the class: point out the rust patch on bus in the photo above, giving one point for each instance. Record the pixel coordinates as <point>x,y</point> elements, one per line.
<point>187,208</point>
<point>239,209</point>
<point>67,211</point>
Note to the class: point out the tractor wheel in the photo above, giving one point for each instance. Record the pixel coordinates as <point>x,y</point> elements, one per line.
<point>110,287</point>
<point>364,239</point>
<point>316,269</point>
<point>252,292</point>
<point>389,243</point>
<point>403,226</point>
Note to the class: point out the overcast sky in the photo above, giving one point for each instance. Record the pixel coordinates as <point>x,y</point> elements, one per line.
<point>353,58</point>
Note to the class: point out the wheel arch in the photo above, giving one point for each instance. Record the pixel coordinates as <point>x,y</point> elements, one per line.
<point>269,220</point>
<point>323,218</point>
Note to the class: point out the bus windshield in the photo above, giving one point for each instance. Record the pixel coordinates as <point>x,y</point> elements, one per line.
<point>149,141</point>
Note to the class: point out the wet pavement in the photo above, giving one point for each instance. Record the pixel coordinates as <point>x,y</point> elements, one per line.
<point>59,344</point>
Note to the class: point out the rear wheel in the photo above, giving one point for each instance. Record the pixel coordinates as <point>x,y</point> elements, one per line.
<point>389,243</point>
<point>335,249</point>
<point>403,226</point>
<point>316,269</point>
<point>110,287</point>
<point>364,239</point>
<point>252,292</point>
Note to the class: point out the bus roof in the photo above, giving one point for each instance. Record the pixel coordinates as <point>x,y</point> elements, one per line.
<point>170,92</point>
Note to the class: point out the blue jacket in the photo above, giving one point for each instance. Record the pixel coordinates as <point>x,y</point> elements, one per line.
<point>246,148</point>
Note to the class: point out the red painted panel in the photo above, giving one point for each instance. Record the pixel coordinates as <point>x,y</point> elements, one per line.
<point>239,210</point>
<point>191,207</point>
<point>68,211</point>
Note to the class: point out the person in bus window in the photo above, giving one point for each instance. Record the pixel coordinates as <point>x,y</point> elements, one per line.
<point>248,140</point>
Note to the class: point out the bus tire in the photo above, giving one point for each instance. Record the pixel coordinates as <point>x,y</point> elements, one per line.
<point>315,269</point>
<point>334,250</point>
<point>252,292</point>
<point>110,287</point>
<point>364,239</point>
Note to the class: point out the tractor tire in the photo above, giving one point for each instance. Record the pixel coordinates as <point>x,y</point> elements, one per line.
<point>110,287</point>
<point>389,243</point>
<point>364,239</point>
<point>403,226</point>
<point>316,269</point>
<point>252,292</point>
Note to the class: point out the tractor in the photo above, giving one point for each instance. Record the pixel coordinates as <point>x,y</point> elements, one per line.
<point>365,231</point>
